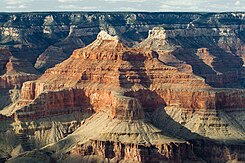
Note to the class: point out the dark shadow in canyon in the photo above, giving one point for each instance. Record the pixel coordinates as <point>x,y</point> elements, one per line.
<point>228,65</point>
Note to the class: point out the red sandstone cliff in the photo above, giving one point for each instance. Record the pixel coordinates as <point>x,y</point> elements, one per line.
<point>125,87</point>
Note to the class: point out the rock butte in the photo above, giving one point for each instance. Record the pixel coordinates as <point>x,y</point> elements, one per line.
<point>176,95</point>
<point>137,105</point>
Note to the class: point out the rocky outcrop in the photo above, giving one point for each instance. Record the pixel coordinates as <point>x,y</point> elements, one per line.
<point>60,51</point>
<point>4,57</point>
<point>153,102</point>
<point>51,104</point>
<point>143,109</point>
<point>51,56</point>
<point>108,61</point>
<point>49,38</point>
<point>14,71</point>
<point>216,62</point>
<point>20,137</point>
<point>35,36</point>
<point>131,152</point>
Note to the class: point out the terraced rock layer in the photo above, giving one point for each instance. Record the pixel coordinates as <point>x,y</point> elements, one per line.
<point>143,109</point>
<point>165,99</point>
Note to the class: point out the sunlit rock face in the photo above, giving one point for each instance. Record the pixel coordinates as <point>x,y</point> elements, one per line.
<point>38,37</point>
<point>214,61</point>
<point>143,87</point>
<point>13,73</point>
<point>135,103</point>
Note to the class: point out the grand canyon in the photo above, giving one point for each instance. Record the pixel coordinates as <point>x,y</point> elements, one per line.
<point>122,87</point>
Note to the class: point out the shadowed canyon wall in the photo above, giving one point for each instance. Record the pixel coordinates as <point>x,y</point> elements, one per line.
<point>122,86</point>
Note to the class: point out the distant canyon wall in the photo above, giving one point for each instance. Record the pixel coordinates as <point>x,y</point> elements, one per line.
<point>46,39</point>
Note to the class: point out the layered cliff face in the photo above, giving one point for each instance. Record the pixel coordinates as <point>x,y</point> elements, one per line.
<point>127,96</point>
<point>49,38</point>
<point>60,51</point>
<point>36,36</point>
<point>220,63</point>
<point>17,72</point>
<point>108,61</point>
<point>14,72</point>
<point>143,108</point>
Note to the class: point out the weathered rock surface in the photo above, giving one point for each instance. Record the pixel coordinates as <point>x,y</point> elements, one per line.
<point>35,36</point>
<point>216,62</point>
<point>155,101</point>
<point>14,71</point>
<point>144,110</point>
<point>60,51</point>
